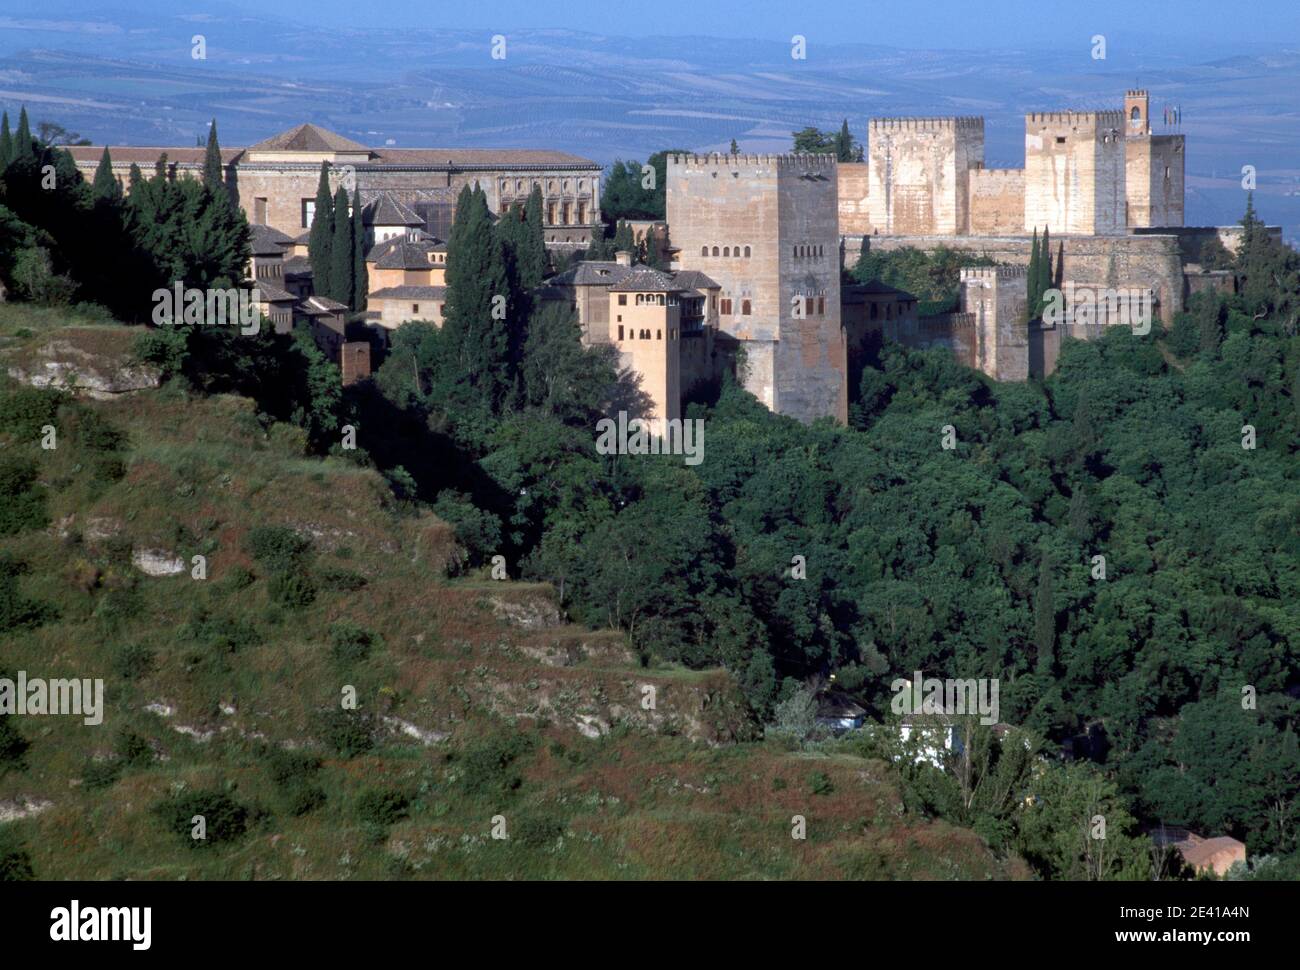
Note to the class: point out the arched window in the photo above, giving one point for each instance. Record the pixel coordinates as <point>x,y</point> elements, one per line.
<point>736,252</point>
<point>704,250</point>
<point>744,307</point>
<point>1135,114</point>
<point>715,250</point>
<point>746,252</point>
<point>726,250</point>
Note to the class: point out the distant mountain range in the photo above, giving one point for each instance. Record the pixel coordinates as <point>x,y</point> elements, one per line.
<point>129,77</point>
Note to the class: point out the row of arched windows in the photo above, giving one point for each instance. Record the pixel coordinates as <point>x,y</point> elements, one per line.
<point>804,252</point>
<point>522,186</point>
<point>728,251</point>
<point>644,334</point>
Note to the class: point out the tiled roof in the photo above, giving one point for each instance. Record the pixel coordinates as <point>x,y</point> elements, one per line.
<point>267,241</point>
<point>590,273</point>
<point>693,279</point>
<point>644,279</point>
<point>409,293</point>
<point>322,304</point>
<point>308,138</point>
<point>388,211</point>
<point>270,293</point>
<point>300,265</point>
<point>146,156</point>
<point>500,157</point>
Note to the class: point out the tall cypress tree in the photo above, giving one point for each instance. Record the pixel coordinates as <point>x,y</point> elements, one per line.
<point>6,143</point>
<point>341,253</point>
<point>1031,280</point>
<point>320,244</point>
<point>476,279</point>
<point>360,276</point>
<point>624,241</point>
<point>23,139</point>
<point>214,173</point>
<point>533,259</point>
<point>1044,271</point>
<point>105,185</point>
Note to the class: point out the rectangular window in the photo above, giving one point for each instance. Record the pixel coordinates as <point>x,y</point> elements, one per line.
<point>807,306</point>
<point>565,213</point>
<point>415,308</point>
<point>308,212</point>
<point>259,211</point>
<point>620,331</point>
<point>622,299</point>
<point>821,306</point>
<point>726,307</point>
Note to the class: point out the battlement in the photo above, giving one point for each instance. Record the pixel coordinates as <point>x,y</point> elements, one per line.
<point>1135,93</point>
<point>993,273</point>
<point>799,160</point>
<point>1096,119</point>
<point>961,123</point>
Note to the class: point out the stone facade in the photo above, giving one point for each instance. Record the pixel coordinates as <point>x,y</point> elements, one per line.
<point>1074,172</point>
<point>1154,168</point>
<point>997,201</point>
<point>919,173</point>
<point>275,180</point>
<point>996,296</point>
<point>765,227</point>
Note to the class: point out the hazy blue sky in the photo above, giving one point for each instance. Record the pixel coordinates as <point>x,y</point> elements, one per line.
<point>1216,24</point>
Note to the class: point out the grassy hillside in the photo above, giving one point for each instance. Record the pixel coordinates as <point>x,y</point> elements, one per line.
<point>474,698</point>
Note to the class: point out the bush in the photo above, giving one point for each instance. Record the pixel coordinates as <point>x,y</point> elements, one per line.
<point>536,831</point>
<point>17,612</point>
<point>278,548</point>
<point>378,806</point>
<point>22,507</point>
<point>294,774</point>
<point>25,410</point>
<point>15,863</point>
<point>487,768</point>
<point>220,633</point>
<point>133,749</point>
<point>340,580</point>
<point>226,820</point>
<point>98,775</point>
<point>13,746</point>
<point>238,578</point>
<point>351,643</point>
<point>96,433</point>
<point>349,733</point>
<point>133,661</point>
<point>819,783</point>
<point>293,591</point>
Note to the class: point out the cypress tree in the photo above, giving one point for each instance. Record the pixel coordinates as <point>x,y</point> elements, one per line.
<point>624,241</point>
<point>6,143</point>
<point>321,241</point>
<point>341,253</point>
<point>1031,280</point>
<point>360,276</point>
<point>23,139</point>
<point>105,185</point>
<point>214,173</point>
<point>735,149</point>
<point>532,255</point>
<point>134,177</point>
<point>1044,270</point>
<point>476,276</point>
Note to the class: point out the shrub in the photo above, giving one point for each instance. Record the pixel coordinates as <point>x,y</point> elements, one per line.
<point>294,774</point>
<point>349,733</point>
<point>278,548</point>
<point>350,643</point>
<point>132,661</point>
<point>101,774</point>
<point>13,746</point>
<point>536,831</point>
<point>133,749</point>
<point>487,768</point>
<point>95,433</point>
<point>340,580</point>
<point>379,806</point>
<point>25,410</point>
<point>293,591</point>
<point>819,783</point>
<point>22,507</point>
<point>15,863</point>
<point>17,612</point>
<point>225,819</point>
<point>220,633</point>
<point>238,578</point>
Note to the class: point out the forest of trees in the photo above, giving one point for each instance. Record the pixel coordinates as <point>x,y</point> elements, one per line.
<point>978,561</point>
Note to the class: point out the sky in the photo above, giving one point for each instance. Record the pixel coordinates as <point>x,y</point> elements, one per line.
<point>1160,24</point>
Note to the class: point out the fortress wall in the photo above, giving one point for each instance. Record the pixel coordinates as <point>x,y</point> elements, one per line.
<point>1141,261</point>
<point>997,201</point>
<point>1075,172</point>
<point>918,173</point>
<point>855,198</point>
<point>1154,180</point>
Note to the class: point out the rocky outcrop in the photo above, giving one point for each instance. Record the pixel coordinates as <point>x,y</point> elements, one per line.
<point>67,363</point>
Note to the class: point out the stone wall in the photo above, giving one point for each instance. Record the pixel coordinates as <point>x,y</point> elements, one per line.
<point>1075,172</point>
<point>1154,180</point>
<point>918,173</point>
<point>765,227</point>
<point>997,201</point>
<point>855,198</point>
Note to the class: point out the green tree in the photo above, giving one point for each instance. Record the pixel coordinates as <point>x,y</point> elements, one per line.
<point>6,143</point>
<point>214,172</point>
<point>360,275</point>
<point>342,256</point>
<point>320,244</point>
<point>105,185</point>
<point>24,146</point>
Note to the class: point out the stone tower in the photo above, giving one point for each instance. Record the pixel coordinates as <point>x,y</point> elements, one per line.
<point>1075,172</point>
<point>1154,170</point>
<point>645,327</point>
<point>997,297</point>
<point>765,228</point>
<point>918,169</point>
